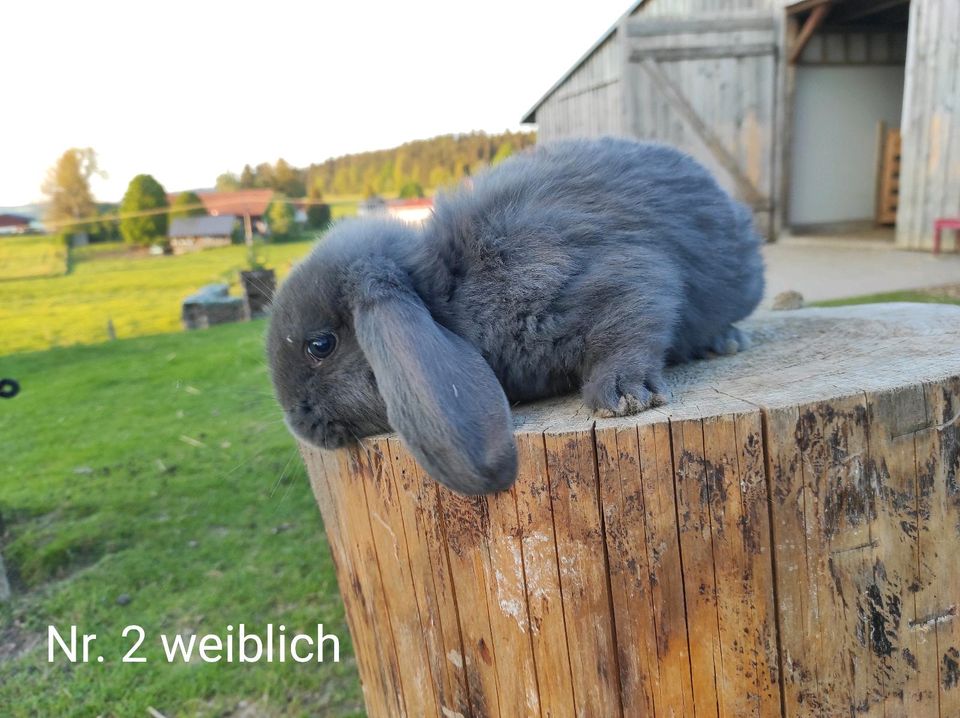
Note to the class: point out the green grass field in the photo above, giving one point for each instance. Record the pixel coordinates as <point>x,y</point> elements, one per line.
<point>158,468</point>
<point>31,256</point>
<point>343,208</point>
<point>138,292</point>
<point>931,296</point>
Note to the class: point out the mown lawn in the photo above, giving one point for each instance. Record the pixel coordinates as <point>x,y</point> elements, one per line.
<point>343,208</point>
<point>31,256</point>
<point>934,295</point>
<point>156,469</point>
<point>140,293</point>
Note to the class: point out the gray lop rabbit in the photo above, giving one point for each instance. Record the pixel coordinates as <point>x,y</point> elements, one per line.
<point>585,264</point>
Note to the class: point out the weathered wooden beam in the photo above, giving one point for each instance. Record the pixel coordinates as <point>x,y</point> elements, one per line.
<point>746,189</point>
<point>813,21</point>
<point>805,5</point>
<point>656,27</point>
<point>703,52</point>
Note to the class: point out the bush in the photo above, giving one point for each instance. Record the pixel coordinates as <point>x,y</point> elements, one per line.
<point>280,218</point>
<point>106,228</point>
<point>318,216</point>
<point>411,190</point>
<point>143,194</point>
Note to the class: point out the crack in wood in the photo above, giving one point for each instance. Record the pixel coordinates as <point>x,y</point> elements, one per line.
<point>930,621</point>
<point>870,544</point>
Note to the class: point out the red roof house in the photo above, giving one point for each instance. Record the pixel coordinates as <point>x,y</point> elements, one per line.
<point>415,210</point>
<point>13,223</point>
<point>251,202</point>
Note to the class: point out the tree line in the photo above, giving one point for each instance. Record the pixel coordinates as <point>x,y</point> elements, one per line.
<point>145,212</point>
<point>407,170</point>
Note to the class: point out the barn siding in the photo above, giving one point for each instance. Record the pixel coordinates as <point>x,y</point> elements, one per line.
<point>681,8</point>
<point>736,94</point>
<point>588,103</point>
<point>592,102</point>
<point>930,154</point>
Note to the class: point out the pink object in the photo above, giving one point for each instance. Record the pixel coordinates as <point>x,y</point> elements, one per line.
<point>941,224</point>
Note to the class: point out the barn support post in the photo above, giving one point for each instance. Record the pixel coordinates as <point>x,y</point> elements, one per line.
<point>930,126</point>
<point>783,136</point>
<point>247,230</point>
<point>780,540</point>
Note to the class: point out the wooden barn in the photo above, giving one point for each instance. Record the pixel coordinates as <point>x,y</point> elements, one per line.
<point>823,115</point>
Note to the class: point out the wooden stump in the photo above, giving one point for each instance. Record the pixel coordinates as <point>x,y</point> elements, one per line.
<point>783,539</point>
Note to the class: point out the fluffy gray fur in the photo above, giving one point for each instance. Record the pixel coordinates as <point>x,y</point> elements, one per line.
<point>584,264</point>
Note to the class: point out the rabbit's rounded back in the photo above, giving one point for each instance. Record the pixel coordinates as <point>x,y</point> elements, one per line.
<point>577,230</point>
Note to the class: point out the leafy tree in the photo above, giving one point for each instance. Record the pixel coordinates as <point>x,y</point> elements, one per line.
<point>263,175</point>
<point>280,218</point>
<point>318,216</point>
<point>433,163</point>
<point>67,185</point>
<point>410,190</point>
<point>247,178</point>
<point>439,177</point>
<point>107,226</point>
<point>318,211</point>
<point>228,182</point>
<point>187,204</point>
<point>287,179</point>
<point>503,151</point>
<point>137,224</point>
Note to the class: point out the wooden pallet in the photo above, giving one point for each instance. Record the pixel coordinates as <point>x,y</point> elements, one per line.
<point>888,175</point>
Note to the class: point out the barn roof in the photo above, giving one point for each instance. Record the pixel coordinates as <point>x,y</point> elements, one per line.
<point>245,201</point>
<point>14,220</point>
<point>531,114</point>
<point>219,226</point>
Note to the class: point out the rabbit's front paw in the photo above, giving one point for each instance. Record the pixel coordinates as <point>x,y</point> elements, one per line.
<point>728,342</point>
<point>617,394</point>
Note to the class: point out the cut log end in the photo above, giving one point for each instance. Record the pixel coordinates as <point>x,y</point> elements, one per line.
<point>781,537</point>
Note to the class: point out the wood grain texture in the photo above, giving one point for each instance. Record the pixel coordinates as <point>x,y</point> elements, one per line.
<point>780,540</point>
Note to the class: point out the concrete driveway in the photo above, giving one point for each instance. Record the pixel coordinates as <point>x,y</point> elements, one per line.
<point>828,269</point>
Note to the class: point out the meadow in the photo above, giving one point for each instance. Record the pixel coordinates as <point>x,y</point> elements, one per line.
<point>32,256</point>
<point>139,293</point>
<point>150,481</point>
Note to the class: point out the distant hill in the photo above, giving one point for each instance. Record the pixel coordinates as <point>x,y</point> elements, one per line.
<point>34,211</point>
<point>429,164</point>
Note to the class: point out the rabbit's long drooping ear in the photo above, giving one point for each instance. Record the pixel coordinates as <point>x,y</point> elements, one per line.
<point>442,397</point>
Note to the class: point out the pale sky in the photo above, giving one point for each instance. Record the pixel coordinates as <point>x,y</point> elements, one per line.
<point>187,90</point>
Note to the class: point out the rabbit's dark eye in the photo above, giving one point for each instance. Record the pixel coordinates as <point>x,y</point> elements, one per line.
<point>321,345</point>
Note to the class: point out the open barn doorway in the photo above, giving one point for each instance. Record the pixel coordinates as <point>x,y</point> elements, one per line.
<point>848,62</point>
